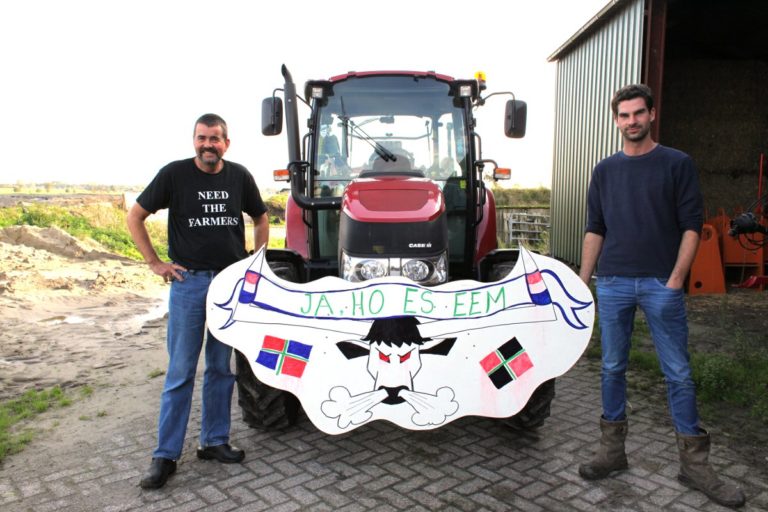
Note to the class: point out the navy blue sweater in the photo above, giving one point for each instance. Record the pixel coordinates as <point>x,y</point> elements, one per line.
<point>641,205</point>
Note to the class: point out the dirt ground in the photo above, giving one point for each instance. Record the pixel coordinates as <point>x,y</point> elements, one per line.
<point>737,320</point>
<point>74,315</point>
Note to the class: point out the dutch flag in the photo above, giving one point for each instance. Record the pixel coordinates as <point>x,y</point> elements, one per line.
<point>248,291</point>
<point>537,288</point>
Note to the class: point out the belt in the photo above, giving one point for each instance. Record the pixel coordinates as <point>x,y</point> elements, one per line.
<point>196,272</point>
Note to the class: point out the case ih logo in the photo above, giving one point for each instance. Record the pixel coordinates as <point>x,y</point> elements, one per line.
<point>420,245</point>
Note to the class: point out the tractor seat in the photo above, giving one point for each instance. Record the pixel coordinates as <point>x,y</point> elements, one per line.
<point>383,167</point>
<point>401,164</point>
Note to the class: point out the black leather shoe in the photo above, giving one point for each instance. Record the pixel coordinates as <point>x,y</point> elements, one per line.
<point>158,473</point>
<point>222,453</point>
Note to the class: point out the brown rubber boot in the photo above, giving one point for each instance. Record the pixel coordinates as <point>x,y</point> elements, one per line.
<point>696,473</point>
<point>610,455</point>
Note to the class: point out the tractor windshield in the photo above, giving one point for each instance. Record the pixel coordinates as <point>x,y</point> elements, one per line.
<point>373,125</point>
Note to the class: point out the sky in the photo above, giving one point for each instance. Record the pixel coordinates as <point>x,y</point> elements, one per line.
<point>108,92</point>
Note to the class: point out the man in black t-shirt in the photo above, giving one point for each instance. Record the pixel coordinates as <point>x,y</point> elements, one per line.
<point>206,197</point>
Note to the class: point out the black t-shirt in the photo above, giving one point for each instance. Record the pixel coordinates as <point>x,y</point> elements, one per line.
<point>205,212</point>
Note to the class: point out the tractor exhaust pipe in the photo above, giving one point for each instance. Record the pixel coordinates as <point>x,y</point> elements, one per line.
<point>291,116</point>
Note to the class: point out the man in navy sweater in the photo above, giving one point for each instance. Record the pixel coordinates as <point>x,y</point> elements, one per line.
<point>644,219</point>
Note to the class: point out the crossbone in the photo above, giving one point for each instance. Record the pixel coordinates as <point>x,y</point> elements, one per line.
<point>356,409</point>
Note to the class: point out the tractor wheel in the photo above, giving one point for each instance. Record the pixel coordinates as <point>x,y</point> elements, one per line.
<point>263,407</point>
<point>500,270</point>
<point>536,410</point>
<point>284,270</point>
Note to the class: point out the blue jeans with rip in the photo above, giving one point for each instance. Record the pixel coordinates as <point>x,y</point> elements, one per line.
<point>664,308</point>
<point>186,330</point>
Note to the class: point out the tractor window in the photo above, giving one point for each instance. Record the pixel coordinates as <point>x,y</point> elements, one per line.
<point>332,169</point>
<point>408,123</point>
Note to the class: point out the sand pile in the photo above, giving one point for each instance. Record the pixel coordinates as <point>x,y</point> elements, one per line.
<point>72,313</point>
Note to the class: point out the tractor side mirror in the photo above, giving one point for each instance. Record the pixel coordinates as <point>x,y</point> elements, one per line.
<point>272,116</point>
<point>515,115</point>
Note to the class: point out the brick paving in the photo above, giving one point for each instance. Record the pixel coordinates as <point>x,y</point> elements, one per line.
<point>475,464</point>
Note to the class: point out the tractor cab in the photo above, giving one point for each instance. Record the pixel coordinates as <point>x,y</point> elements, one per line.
<point>387,179</point>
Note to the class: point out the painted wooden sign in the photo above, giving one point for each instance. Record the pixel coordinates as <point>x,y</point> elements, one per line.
<point>389,349</point>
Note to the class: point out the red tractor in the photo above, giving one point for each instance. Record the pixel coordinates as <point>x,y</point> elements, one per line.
<point>387,181</point>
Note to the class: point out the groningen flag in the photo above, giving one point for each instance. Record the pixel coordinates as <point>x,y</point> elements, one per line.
<point>506,363</point>
<point>286,357</point>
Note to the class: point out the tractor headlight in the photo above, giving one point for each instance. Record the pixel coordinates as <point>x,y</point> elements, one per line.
<point>371,269</point>
<point>426,271</point>
<point>362,269</point>
<point>416,270</point>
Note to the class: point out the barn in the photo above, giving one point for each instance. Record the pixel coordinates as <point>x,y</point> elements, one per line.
<point>707,62</point>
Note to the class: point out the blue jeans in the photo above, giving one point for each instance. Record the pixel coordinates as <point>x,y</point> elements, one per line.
<point>664,308</point>
<point>186,330</point>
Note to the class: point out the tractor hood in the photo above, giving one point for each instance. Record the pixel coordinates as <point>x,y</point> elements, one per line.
<point>392,198</point>
<point>393,215</point>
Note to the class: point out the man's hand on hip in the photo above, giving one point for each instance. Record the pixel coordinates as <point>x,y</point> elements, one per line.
<point>168,271</point>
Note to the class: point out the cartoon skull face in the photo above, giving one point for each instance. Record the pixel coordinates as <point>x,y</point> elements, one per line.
<point>392,367</point>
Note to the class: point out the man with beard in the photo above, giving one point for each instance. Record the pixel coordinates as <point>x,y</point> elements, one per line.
<point>644,220</point>
<point>206,197</point>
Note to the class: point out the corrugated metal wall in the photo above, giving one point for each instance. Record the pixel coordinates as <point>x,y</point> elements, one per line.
<point>587,77</point>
